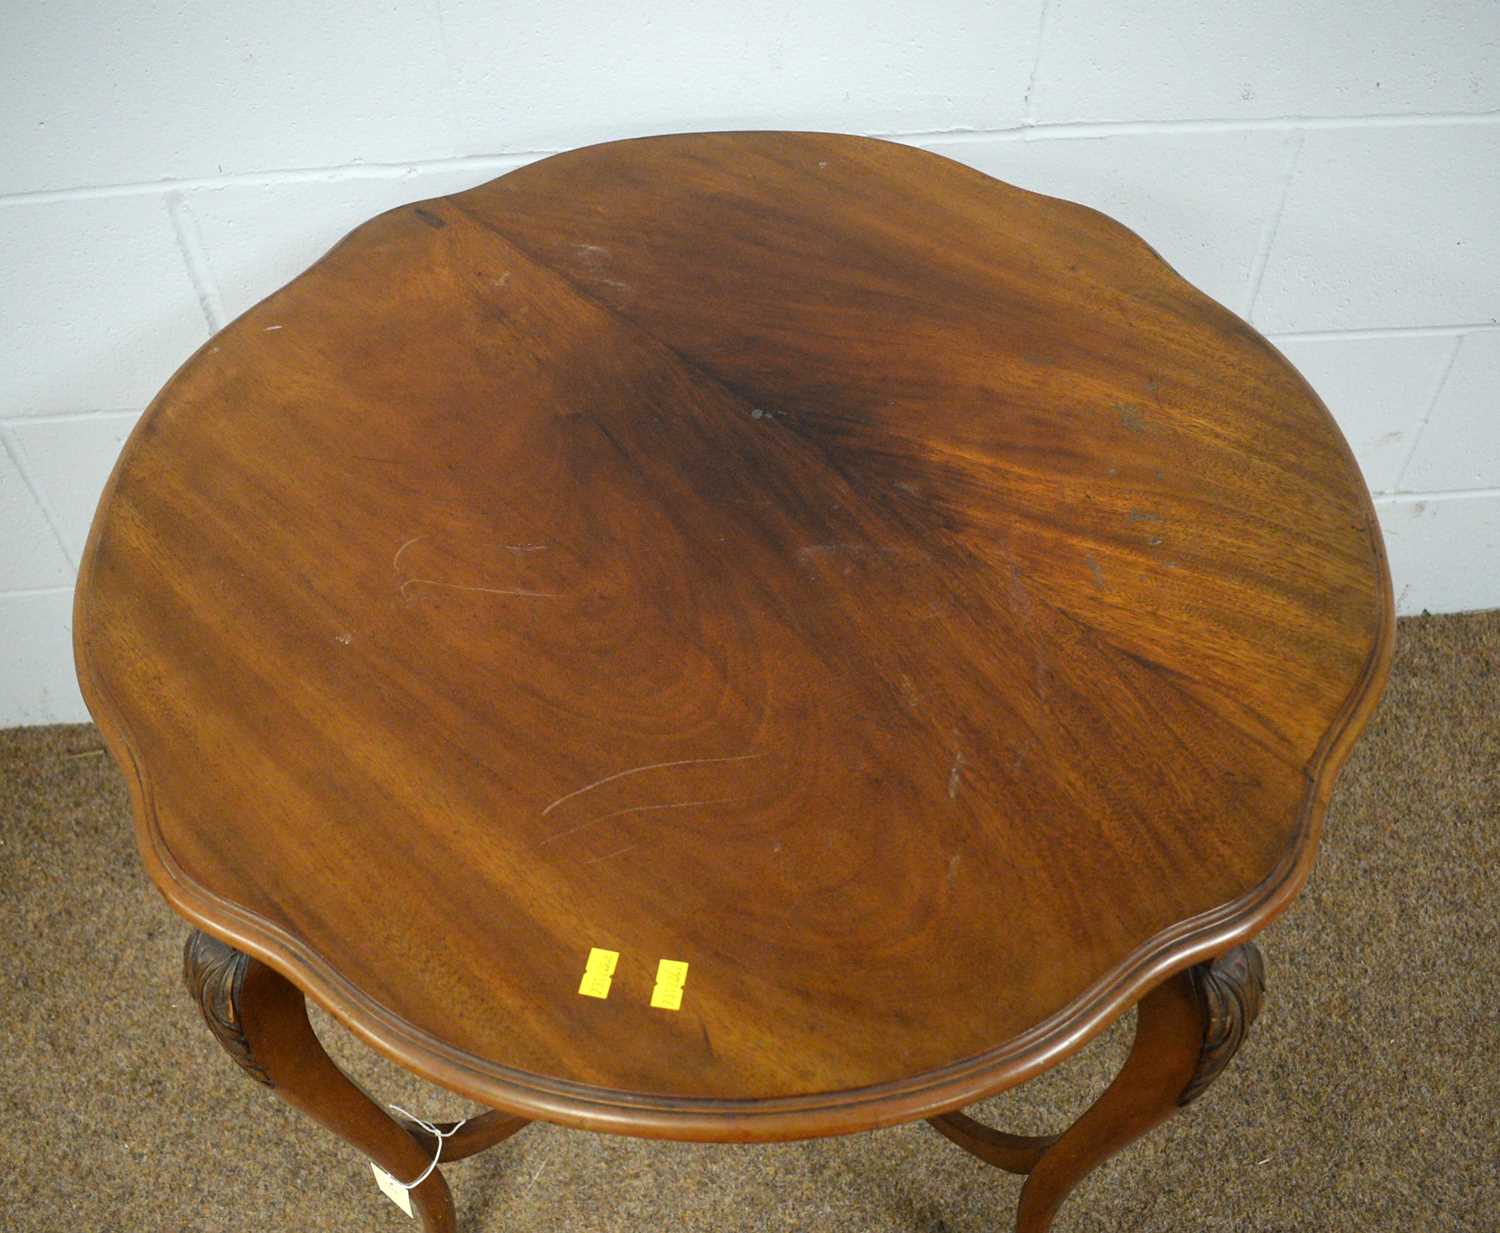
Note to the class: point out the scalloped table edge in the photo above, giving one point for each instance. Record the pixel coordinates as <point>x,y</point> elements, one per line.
<point>582,1106</point>
<point>924,1095</point>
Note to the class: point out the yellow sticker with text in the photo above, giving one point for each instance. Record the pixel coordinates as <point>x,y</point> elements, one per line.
<point>666,997</point>
<point>671,972</point>
<point>597,972</point>
<point>671,977</point>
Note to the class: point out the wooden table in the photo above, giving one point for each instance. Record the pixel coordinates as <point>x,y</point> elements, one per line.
<point>898,597</point>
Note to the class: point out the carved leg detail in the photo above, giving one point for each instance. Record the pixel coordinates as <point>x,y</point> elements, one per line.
<point>1231,989</point>
<point>261,1020</point>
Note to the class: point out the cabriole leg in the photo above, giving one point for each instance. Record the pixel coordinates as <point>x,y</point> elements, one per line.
<point>1186,1031</point>
<point>261,1020</point>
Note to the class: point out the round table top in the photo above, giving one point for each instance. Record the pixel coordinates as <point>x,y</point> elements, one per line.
<point>897,596</point>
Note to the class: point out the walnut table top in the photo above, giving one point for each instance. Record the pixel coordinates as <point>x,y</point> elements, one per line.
<point>898,596</point>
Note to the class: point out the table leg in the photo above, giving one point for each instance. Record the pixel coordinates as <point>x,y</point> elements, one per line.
<point>1187,1029</point>
<point>260,1019</point>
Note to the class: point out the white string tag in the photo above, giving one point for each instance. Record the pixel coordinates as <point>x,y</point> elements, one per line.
<point>391,1188</point>
<point>397,1191</point>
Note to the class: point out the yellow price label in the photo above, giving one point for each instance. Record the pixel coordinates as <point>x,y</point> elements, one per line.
<point>671,972</point>
<point>666,997</point>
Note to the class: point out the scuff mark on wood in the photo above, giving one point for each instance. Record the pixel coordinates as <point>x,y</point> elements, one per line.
<point>1132,418</point>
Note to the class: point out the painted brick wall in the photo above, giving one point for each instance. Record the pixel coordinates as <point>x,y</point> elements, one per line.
<point>1330,170</point>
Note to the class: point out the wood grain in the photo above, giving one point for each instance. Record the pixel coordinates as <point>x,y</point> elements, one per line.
<point>898,595</point>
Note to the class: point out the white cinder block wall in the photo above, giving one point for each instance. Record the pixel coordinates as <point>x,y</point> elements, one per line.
<point>1329,170</point>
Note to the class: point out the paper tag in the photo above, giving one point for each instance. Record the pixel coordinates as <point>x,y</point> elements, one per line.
<point>665,997</point>
<point>672,973</point>
<point>391,1188</point>
<point>671,976</point>
<point>594,984</point>
<point>597,971</point>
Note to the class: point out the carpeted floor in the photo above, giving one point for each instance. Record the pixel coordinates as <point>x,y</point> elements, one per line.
<point>1368,1097</point>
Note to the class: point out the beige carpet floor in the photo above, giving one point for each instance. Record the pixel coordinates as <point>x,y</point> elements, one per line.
<point>1368,1097</point>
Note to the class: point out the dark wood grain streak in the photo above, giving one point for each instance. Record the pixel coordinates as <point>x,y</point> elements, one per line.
<point>899,595</point>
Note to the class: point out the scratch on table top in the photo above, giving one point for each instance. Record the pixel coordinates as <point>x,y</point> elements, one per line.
<point>955,775</point>
<point>1095,570</point>
<point>1041,672</point>
<point>611,855</point>
<point>396,560</point>
<point>720,800</point>
<point>455,586</point>
<point>650,766</point>
<point>271,329</point>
